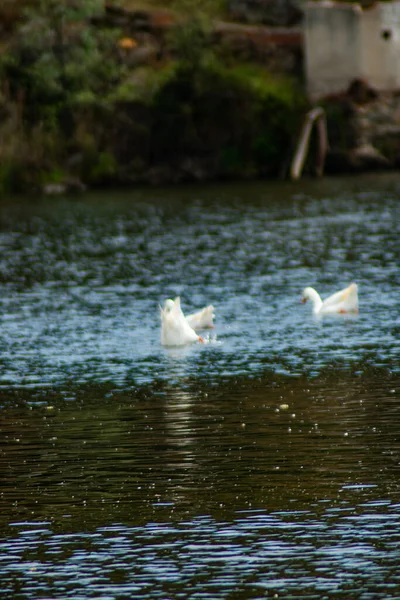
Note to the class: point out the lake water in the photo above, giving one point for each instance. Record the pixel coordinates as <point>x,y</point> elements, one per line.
<point>264,463</point>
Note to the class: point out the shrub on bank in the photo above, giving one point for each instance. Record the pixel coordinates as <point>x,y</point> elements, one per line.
<point>240,117</point>
<point>71,107</point>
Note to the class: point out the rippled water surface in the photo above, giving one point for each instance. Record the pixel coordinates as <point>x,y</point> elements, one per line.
<point>264,463</point>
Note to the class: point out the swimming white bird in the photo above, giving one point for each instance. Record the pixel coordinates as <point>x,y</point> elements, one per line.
<point>175,330</point>
<point>342,302</point>
<point>202,319</point>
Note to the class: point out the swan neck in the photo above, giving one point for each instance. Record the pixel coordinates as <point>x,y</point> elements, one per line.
<point>315,299</point>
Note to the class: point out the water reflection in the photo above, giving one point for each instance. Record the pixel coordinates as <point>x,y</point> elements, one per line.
<point>243,444</point>
<point>287,487</point>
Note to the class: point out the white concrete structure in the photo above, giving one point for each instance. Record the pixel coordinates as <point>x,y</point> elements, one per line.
<point>343,42</point>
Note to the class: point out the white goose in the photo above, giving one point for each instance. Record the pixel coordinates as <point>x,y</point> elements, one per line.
<point>342,302</point>
<point>202,319</point>
<point>175,330</point>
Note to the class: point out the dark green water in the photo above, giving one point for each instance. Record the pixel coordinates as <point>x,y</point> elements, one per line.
<point>264,463</point>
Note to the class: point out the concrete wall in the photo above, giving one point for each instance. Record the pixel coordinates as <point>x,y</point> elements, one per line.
<point>380,42</point>
<point>390,22</point>
<point>344,42</point>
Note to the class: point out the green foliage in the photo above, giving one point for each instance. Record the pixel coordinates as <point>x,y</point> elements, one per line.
<point>243,116</point>
<point>72,98</point>
<point>53,175</point>
<point>274,114</point>
<point>231,160</point>
<point>9,173</point>
<point>190,41</point>
<point>191,38</point>
<point>209,8</point>
<point>57,55</point>
<point>104,167</point>
<point>26,158</point>
<point>98,167</point>
<point>142,85</point>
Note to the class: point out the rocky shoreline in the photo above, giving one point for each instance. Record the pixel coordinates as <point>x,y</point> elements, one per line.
<point>167,101</point>
<point>271,33</point>
<point>363,129</point>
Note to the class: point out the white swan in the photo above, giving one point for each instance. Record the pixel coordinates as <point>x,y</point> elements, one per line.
<point>175,330</point>
<point>342,302</point>
<point>202,319</point>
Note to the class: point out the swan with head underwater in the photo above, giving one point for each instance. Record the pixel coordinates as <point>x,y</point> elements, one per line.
<point>343,302</point>
<point>178,330</point>
<point>202,319</point>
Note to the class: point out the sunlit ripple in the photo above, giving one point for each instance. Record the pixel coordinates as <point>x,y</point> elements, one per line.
<point>81,283</point>
<point>299,554</point>
<point>263,463</point>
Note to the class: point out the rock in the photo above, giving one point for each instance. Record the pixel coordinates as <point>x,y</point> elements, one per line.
<point>68,186</point>
<point>54,189</point>
<point>280,13</point>
<point>116,16</point>
<point>194,170</point>
<point>146,51</point>
<point>363,129</point>
<point>278,50</point>
<point>357,160</point>
<point>134,20</point>
<point>368,158</point>
<point>360,92</point>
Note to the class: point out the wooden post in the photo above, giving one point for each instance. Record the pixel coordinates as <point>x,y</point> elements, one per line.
<point>317,116</point>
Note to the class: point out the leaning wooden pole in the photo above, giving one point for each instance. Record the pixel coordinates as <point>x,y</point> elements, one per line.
<point>315,116</point>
